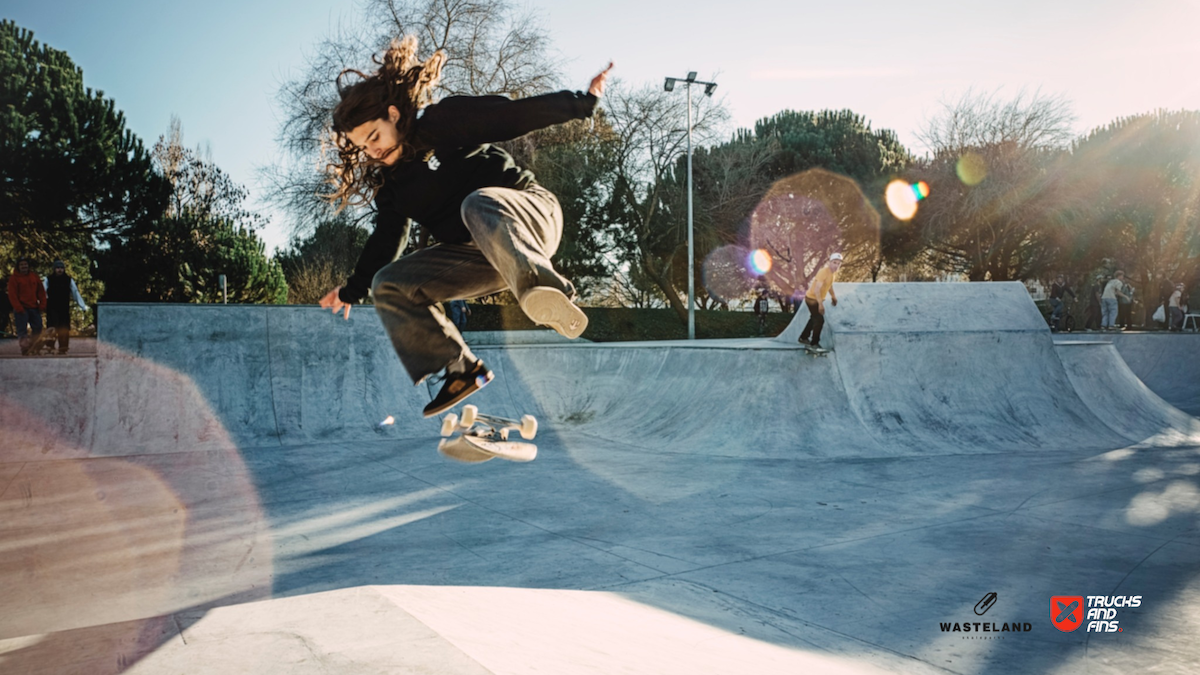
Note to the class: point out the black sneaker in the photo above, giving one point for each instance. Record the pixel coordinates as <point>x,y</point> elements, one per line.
<point>458,386</point>
<point>804,341</point>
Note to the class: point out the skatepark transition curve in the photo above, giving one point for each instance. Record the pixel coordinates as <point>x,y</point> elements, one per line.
<point>916,367</point>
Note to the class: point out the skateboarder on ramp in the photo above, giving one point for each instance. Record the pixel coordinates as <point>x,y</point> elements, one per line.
<point>814,299</point>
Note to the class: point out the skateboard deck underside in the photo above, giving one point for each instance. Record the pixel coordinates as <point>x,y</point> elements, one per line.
<point>474,449</point>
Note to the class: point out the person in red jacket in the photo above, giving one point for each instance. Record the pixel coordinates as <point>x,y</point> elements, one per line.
<point>436,163</point>
<point>28,298</point>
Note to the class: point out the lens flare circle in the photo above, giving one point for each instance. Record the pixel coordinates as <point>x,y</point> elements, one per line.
<point>920,190</point>
<point>760,261</point>
<point>971,168</point>
<point>728,274</point>
<point>901,199</point>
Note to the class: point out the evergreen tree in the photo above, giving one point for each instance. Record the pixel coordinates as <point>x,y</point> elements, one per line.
<point>835,140</point>
<point>204,231</point>
<point>181,259</point>
<point>317,263</point>
<point>67,162</point>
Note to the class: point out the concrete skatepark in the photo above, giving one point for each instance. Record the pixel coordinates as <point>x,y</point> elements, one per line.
<point>211,493</point>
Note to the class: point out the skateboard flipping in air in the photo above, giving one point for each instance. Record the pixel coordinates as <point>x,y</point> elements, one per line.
<point>483,437</point>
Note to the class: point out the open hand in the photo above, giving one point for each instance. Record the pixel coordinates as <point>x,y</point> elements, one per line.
<point>333,302</point>
<point>597,86</point>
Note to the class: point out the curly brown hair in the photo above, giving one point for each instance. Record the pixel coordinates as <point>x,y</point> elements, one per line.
<point>401,80</point>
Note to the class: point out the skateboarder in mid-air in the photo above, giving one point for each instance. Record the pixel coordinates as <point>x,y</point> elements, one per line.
<point>814,299</point>
<point>495,227</point>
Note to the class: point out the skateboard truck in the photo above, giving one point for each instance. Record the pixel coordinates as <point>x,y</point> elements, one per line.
<point>477,437</point>
<point>490,426</point>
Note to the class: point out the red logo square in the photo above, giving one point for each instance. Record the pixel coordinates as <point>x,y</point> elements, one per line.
<point>1066,612</point>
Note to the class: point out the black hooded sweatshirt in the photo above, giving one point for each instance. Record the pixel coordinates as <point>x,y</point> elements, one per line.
<point>452,157</point>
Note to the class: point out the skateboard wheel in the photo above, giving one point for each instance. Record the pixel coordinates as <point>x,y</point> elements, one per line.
<point>448,423</point>
<point>469,414</point>
<point>528,427</point>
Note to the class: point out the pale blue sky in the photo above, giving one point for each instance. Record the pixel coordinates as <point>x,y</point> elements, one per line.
<point>218,64</point>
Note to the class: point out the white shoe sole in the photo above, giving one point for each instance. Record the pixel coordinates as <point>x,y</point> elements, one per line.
<point>550,307</point>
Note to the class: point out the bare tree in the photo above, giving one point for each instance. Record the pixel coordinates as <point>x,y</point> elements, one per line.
<point>804,218</point>
<point>995,201</point>
<point>493,47</point>
<point>1030,121</point>
<point>198,186</point>
<point>649,195</point>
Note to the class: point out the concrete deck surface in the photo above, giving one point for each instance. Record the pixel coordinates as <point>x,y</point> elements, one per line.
<point>212,494</point>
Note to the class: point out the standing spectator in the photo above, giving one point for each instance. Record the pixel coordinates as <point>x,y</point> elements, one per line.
<point>762,305</point>
<point>1125,306</point>
<point>1175,305</point>
<point>28,299</point>
<point>1057,291</point>
<point>5,311</point>
<point>1165,290</point>
<point>1109,299</point>
<point>1092,320</point>
<point>459,311</point>
<point>60,290</point>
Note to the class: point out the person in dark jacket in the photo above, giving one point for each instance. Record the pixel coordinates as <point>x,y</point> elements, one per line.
<point>60,291</point>
<point>1093,312</point>
<point>28,298</point>
<point>1058,292</point>
<point>762,306</point>
<point>434,163</point>
<point>6,309</point>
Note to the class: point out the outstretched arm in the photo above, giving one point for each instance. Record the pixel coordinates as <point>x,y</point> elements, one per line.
<point>465,121</point>
<point>596,88</point>
<point>385,244</point>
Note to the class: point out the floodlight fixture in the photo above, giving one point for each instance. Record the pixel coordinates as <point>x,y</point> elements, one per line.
<point>709,88</point>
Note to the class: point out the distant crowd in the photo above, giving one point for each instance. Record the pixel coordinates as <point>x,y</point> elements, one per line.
<point>1110,302</point>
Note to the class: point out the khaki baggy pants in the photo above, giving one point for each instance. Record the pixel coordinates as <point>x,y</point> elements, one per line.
<point>513,232</point>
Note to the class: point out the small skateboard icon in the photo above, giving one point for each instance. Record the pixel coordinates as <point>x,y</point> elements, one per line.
<point>483,437</point>
<point>815,351</point>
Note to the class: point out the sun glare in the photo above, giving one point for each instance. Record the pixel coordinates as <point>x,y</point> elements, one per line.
<point>902,198</point>
<point>760,261</point>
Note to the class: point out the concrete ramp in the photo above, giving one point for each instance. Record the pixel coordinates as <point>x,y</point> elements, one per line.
<point>1168,363</point>
<point>1119,399</point>
<point>953,367</point>
<point>916,368</point>
<point>275,375</point>
<point>745,398</point>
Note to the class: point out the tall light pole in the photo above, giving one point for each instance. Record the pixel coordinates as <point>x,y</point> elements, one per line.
<point>709,87</point>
